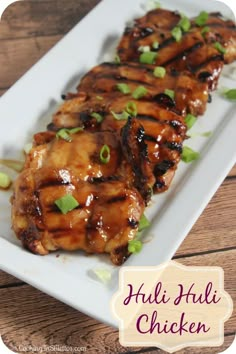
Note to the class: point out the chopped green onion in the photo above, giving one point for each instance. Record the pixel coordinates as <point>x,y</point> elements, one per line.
<point>152,5</point>
<point>131,108</point>
<point>205,30</point>
<point>230,94</point>
<point>184,24</point>
<point>176,33</point>
<point>13,164</point>
<point>66,203</point>
<point>219,47</point>
<point>117,59</point>
<point>104,275</point>
<point>100,98</point>
<point>144,48</point>
<point>202,18</point>
<point>75,130</point>
<point>189,155</point>
<point>135,246</point>
<point>148,58</point>
<point>159,71</point>
<point>204,135</point>
<point>190,120</point>
<point>170,93</point>
<point>65,133</point>
<point>143,223</point>
<point>155,45</point>
<point>105,154</point>
<point>120,116</point>
<point>124,88</point>
<point>139,92</point>
<point>5,180</point>
<point>99,118</point>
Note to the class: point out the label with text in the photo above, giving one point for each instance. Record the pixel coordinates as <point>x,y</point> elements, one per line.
<point>171,306</point>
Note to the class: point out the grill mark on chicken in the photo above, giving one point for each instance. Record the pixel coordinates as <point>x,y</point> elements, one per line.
<point>184,53</point>
<point>164,44</point>
<point>98,180</point>
<point>217,57</point>
<point>133,223</point>
<point>136,153</point>
<point>164,100</point>
<point>116,199</point>
<point>162,167</point>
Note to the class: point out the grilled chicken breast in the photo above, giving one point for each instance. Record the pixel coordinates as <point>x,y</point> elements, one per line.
<point>164,130</point>
<point>195,52</point>
<point>104,192</point>
<point>190,95</point>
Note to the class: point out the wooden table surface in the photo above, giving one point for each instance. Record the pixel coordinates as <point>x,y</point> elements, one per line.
<point>29,317</point>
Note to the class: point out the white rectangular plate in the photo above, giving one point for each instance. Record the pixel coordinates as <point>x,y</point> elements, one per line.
<point>22,111</point>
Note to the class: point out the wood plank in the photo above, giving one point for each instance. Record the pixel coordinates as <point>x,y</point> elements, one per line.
<point>216,227</point>
<point>42,18</point>
<point>233,172</point>
<point>7,279</point>
<point>2,91</point>
<point>18,55</point>
<point>197,350</point>
<point>48,321</point>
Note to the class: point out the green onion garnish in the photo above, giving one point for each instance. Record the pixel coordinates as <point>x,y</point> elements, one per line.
<point>100,98</point>
<point>202,18</point>
<point>184,24</point>
<point>143,223</point>
<point>219,47</point>
<point>144,48</point>
<point>148,57</point>
<point>104,275</point>
<point>66,203</point>
<point>75,130</point>
<point>170,93</point>
<point>105,154</point>
<point>117,59</point>
<point>124,88</point>
<point>189,155</point>
<point>120,116</point>
<point>5,180</point>
<point>176,33</point>
<point>65,133</point>
<point>190,120</point>
<point>139,92</point>
<point>204,134</point>
<point>230,94</point>
<point>155,45</point>
<point>205,30</point>
<point>159,71</point>
<point>131,108</point>
<point>99,118</point>
<point>135,246</point>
